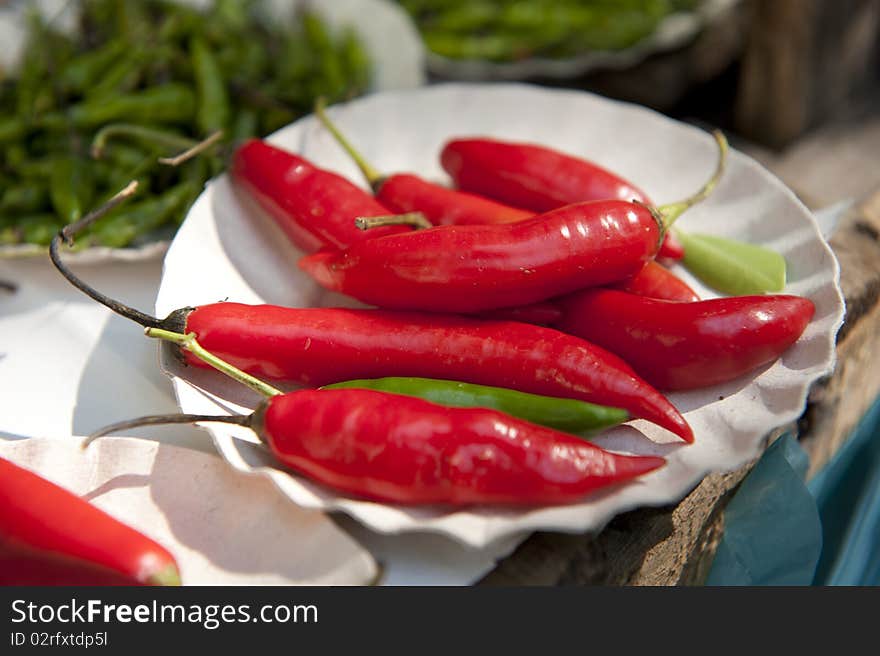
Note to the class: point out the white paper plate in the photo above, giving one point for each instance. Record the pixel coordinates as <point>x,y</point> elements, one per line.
<point>674,31</point>
<point>389,37</point>
<point>226,251</point>
<point>174,495</point>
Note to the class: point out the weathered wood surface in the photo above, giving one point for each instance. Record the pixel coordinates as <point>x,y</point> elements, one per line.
<point>675,545</point>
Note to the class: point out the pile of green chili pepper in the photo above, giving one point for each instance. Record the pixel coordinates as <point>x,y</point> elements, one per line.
<point>142,79</point>
<point>511,30</point>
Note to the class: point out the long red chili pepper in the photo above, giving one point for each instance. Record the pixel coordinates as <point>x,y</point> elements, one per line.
<point>656,281</point>
<point>317,346</point>
<point>402,449</point>
<point>680,346</point>
<point>415,452</point>
<point>315,207</point>
<point>404,192</point>
<point>537,178</point>
<point>49,536</point>
<point>482,267</point>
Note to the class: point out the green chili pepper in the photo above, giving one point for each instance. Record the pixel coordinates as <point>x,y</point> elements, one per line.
<point>85,70</point>
<point>123,226</point>
<point>147,135</point>
<point>12,129</point>
<point>171,103</point>
<point>24,198</point>
<point>70,188</point>
<point>213,109</point>
<point>568,415</point>
<point>245,125</point>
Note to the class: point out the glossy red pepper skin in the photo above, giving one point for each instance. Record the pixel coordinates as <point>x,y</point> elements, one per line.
<point>484,267</point>
<point>656,281</point>
<point>318,346</point>
<point>49,536</point>
<point>530,176</point>
<point>315,208</point>
<point>401,449</point>
<point>538,178</point>
<point>443,206</point>
<point>682,346</point>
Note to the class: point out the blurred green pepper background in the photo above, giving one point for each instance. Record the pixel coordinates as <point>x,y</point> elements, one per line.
<point>83,115</point>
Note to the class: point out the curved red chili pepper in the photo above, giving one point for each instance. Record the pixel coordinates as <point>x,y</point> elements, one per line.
<point>49,536</point>
<point>656,281</point>
<point>404,192</point>
<point>681,346</point>
<point>402,449</point>
<point>530,176</point>
<point>671,248</point>
<point>537,178</point>
<point>483,267</point>
<point>315,207</point>
<point>318,346</point>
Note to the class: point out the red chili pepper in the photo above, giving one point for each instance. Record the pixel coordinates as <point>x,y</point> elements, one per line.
<point>656,281</point>
<point>545,313</point>
<point>483,267</point>
<point>530,176</point>
<point>49,536</point>
<point>402,449</point>
<point>671,248</point>
<point>680,346</point>
<point>405,192</point>
<point>315,207</point>
<point>537,178</point>
<point>442,206</point>
<point>318,346</point>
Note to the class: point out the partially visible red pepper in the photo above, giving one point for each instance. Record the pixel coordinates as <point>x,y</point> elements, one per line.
<point>317,346</point>
<point>537,178</point>
<point>681,346</point>
<point>315,207</point>
<point>656,281</point>
<point>49,536</point>
<point>483,267</point>
<point>406,450</point>
<point>405,192</point>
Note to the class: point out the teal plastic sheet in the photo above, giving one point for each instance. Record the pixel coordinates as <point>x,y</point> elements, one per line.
<point>772,535</point>
<point>847,493</point>
<point>781,531</point>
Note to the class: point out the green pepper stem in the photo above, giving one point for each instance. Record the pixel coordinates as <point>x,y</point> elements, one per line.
<point>415,219</point>
<point>672,211</point>
<point>373,176</point>
<point>192,345</point>
<point>154,136</point>
<point>197,149</point>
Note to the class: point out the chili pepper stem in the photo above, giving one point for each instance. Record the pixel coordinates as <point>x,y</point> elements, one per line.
<point>162,420</point>
<point>68,232</point>
<point>168,575</point>
<point>373,176</point>
<point>197,149</point>
<point>671,211</point>
<point>191,344</point>
<point>415,219</point>
<point>157,137</point>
